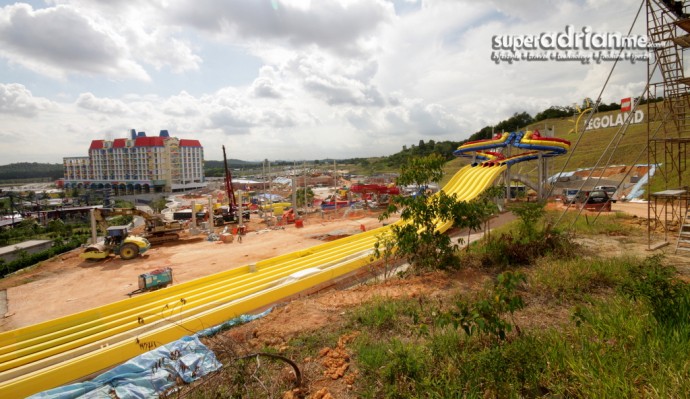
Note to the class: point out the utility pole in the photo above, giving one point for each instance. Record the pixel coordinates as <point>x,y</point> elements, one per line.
<point>294,186</point>
<point>92,219</point>
<point>263,174</point>
<point>239,212</point>
<point>304,167</point>
<point>12,209</point>
<point>294,194</point>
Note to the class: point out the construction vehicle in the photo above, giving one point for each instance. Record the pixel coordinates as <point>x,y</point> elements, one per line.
<point>154,280</point>
<point>289,216</point>
<point>117,241</point>
<point>375,194</point>
<point>157,229</point>
<point>229,213</point>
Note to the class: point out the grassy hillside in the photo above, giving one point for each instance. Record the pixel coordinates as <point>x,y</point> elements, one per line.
<point>580,322</point>
<point>604,147</point>
<point>600,147</point>
<point>597,144</point>
<point>591,148</point>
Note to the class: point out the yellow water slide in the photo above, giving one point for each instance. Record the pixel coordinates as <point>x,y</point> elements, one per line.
<point>49,354</point>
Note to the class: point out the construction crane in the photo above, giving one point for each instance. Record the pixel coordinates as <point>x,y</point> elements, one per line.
<point>228,214</point>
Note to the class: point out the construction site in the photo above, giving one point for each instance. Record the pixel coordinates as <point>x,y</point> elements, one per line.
<point>237,248</point>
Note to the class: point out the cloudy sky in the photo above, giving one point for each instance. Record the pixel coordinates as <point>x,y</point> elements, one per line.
<point>285,79</point>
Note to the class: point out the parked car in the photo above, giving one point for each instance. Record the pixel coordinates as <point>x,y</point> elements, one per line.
<point>569,195</point>
<point>594,200</point>
<point>610,191</point>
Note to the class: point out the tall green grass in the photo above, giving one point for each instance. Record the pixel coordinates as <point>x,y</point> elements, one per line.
<point>574,279</point>
<point>615,345</point>
<point>614,223</point>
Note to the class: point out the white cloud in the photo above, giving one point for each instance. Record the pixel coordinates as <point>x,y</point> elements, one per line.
<point>337,26</point>
<point>304,79</point>
<point>180,105</point>
<point>103,105</point>
<point>93,38</point>
<point>265,87</point>
<point>158,48</point>
<point>231,120</point>
<point>15,99</point>
<point>60,40</point>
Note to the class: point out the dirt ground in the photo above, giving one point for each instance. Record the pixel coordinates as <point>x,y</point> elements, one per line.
<point>330,373</point>
<point>68,284</point>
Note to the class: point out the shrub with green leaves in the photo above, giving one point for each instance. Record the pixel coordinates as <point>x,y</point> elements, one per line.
<point>657,284</point>
<point>529,214</point>
<point>528,243</point>
<point>488,315</point>
<point>417,239</point>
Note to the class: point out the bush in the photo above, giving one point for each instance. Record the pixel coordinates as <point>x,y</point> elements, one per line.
<point>26,259</point>
<point>385,314</point>
<point>508,250</point>
<point>575,279</point>
<point>657,285</point>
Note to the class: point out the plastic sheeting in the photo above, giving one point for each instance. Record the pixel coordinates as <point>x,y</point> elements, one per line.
<point>146,375</point>
<point>638,189</point>
<point>209,332</point>
<point>150,374</point>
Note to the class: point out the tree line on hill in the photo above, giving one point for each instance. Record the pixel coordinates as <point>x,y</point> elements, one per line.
<point>31,170</point>
<point>26,170</point>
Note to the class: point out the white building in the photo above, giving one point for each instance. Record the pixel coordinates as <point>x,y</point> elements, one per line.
<point>138,164</point>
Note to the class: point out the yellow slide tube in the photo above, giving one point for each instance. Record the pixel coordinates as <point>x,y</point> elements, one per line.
<point>49,354</point>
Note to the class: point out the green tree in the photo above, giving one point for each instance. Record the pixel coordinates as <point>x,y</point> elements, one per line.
<point>529,214</point>
<point>300,196</point>
<point>119,203</point>
<point>158,204</point>
<point>554,112</point>
<point>417,239</point>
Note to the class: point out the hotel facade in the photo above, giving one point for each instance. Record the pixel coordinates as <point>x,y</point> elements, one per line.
<point>139,164</point>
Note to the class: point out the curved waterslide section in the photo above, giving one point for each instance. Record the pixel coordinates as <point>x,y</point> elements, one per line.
<point>42,356</point>
<point>530,140</point>
<point>545,147</point>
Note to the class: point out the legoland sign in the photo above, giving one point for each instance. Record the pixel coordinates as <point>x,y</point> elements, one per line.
<point>614,120</point>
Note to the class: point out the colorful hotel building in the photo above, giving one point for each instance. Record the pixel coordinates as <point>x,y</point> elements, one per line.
<point>138,164</point>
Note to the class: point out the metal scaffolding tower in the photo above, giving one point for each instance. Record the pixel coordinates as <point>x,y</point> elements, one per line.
<point>668,122</point>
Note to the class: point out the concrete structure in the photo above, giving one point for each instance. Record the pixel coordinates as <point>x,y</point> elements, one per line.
<point>12,252</point>
<point>139,164</point>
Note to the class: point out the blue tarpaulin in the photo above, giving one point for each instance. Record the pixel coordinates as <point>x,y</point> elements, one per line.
<point>147,375</point>
<point>638,189</point>
<point>150,374</point>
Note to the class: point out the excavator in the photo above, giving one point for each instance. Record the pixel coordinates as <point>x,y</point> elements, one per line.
<point>157,229</point>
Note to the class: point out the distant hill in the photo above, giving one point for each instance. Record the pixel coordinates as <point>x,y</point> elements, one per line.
<point>232,163</point>
<point>591,148</point>
<point>31,170</point>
